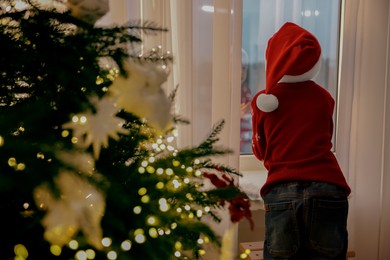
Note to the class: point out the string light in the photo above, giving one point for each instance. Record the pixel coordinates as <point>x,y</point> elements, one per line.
<point>152,220</point>
<point>164,206</point>
<point>137,209</point>
<point>142,191</point>
<point>55,250</point>
<point>160,185</point>
<point>21,251</point>
<point>1,141</point>
<point>126,245</point>
<point>81,255</point>
<point>112,255</point>
<point>168,171</point>
<point>106,241</point>
<point>73,244</point>
<point>153,233</point>
<point>139,236</point>
<point>145,199</point>
<point>90,254</point>
<point>65,133</point>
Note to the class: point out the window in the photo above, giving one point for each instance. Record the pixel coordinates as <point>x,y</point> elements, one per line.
<point>261,19</point>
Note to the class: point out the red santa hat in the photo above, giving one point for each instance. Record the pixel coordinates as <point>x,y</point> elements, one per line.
<point>291,51</point>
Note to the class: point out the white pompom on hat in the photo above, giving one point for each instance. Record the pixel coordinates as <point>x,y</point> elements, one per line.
<point>291,51</point>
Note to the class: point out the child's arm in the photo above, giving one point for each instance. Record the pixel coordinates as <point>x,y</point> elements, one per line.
<point>258,139</point>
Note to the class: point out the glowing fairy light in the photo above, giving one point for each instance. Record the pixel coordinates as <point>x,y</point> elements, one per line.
<point>20,167</point>
<point>207,209</point>
<point>145,199</point>
<point>106,241</point>
<point>1,141</point>
<point>153,233</point>
<point>83,119</point>
<point>178,245</point>
<point>176,184</point>
<point>26,205</point>
<point>40,156</point>
<point>21,251</point>
<point>65,133</point>
<point>187,207</point>
<point>112,255</point>
<point>202,252</point>
<point>75,119</point>
<point>12,162</point>
<point>199,213</point>
<point>160,185</point>
<point>177,254</point>
<point>200,241</point>
<point>144,163</point>
<point>160,171</point>
<point>90,254</point>
<point>164,206</point>
<point>173,225</point>
<point>168,171</point>
<point>142,191</point>
<point>73,244</point>
<point>175,163</point>
<point>189,169</point>
<point>140,238</point>
<point>141,170</point>
<point>81,255</point>
<point>137,209</point>
<point>189,196</point>
<point>74,140</point>
<point>55,250</point>
<point>198,173</point>
<point>186,180</point>
<point>150,169</point>
<point>126,245</point>
<point>152,220</point>
<point>160,232</point>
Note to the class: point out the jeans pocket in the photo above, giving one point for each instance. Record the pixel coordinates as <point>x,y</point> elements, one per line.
<point>282,235</point>
<point>328,229</point>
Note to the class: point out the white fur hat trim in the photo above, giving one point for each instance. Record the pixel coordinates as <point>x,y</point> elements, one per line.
<point>267,102</point>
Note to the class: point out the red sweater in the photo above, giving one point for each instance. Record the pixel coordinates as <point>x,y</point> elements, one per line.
<point>294,141</point>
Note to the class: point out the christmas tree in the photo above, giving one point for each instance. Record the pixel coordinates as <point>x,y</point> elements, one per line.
<point>88,163</point>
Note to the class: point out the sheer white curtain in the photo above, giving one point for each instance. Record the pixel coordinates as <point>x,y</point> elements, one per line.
<point>205,40</point>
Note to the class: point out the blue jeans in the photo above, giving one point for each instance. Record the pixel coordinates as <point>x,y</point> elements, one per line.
<point>306,221</point>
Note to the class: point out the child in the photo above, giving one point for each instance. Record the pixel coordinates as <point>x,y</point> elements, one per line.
<point>306,194</point>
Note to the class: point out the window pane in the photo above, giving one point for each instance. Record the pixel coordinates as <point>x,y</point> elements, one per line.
<point>261,19</point>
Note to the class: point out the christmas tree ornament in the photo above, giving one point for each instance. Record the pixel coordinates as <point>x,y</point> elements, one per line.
<point>140,93</point>
<point>88,10</point>
<point>95,128</point>
<point>81,162</point>
<point>79,207</point>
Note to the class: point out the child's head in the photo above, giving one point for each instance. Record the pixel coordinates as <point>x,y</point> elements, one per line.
<point>292,55</point>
